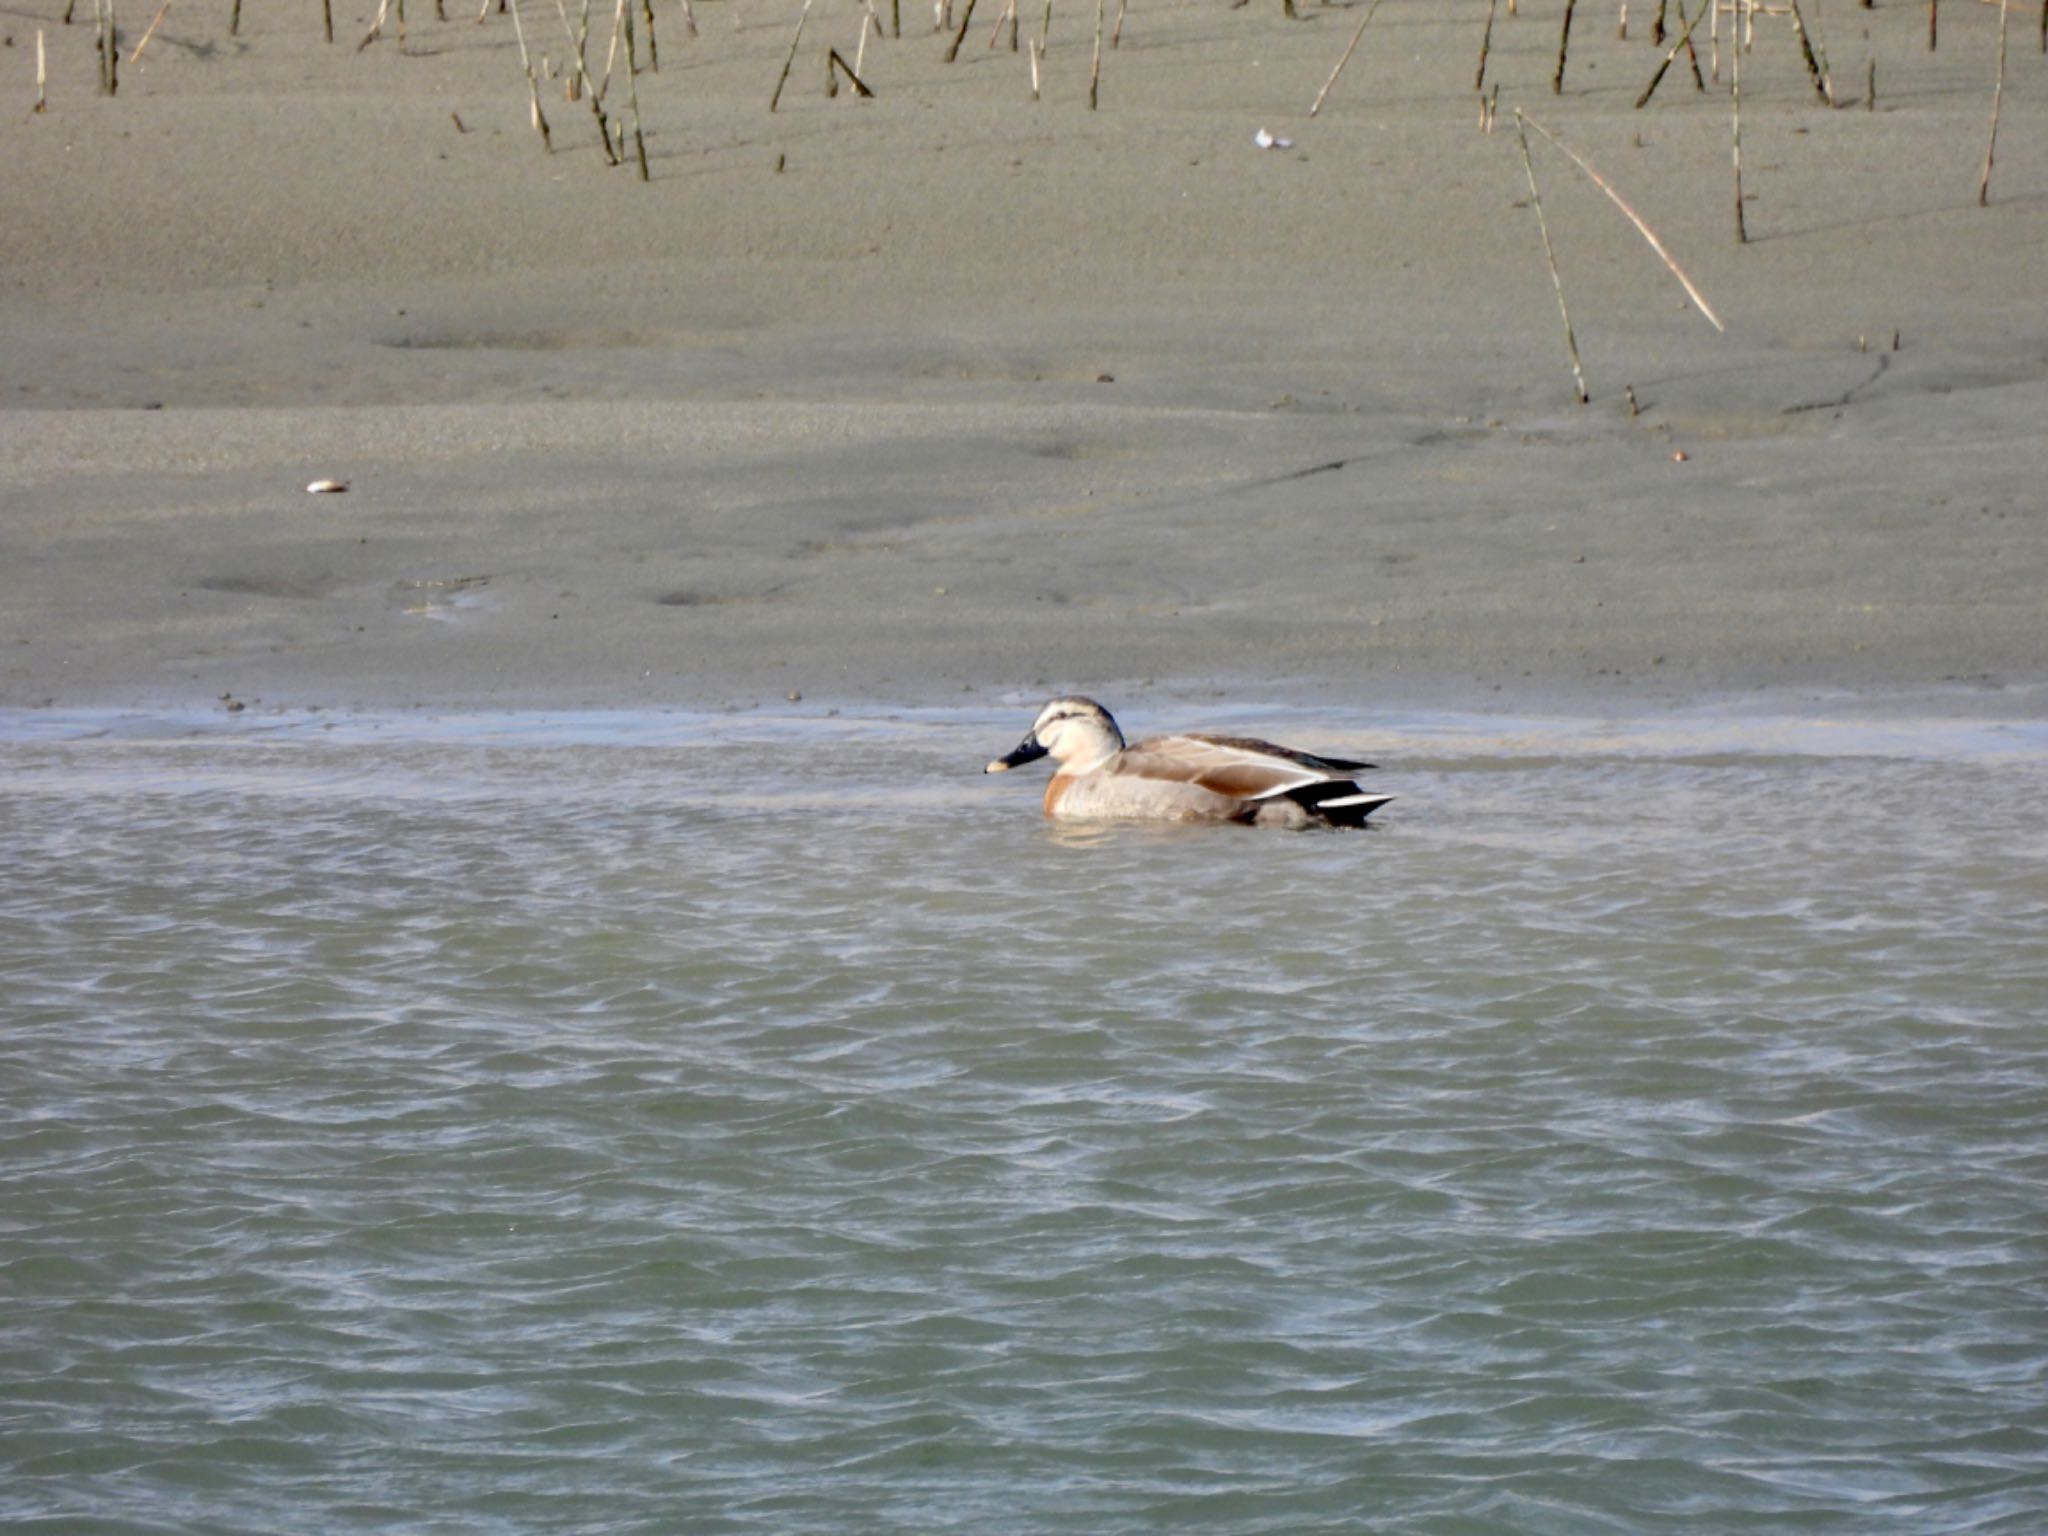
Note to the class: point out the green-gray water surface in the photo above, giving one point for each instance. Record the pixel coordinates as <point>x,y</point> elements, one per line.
<point>734,1124</point>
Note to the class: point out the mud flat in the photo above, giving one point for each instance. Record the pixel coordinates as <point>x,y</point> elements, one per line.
<point>950,391</point>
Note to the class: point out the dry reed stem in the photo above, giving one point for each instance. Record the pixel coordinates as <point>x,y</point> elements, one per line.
<point>1325,91</point>
<point>860,86</point>
<point>1692,54</point>
<point>1735,133</point>
<point>611,54</point>
<point>42,74</point>
<point>234,21</point>
<point>540,121</point>
<point>1997,97</point>
<point>1571,343</point>
<point>624,21</point>
<point>327,19</point>
<point>1642,228</point>
<point>376,27</point>
<point>1485,45</point>
<point>1670,57</point>
<point>1933,23</point>
<point>966,21</point>
<point>790,58</point>
<point>108,42</point>
<point>1095,70</point>
<point>1816,58</point>
<point>860,49</point>
<point>1036,51</point>
<point>1564,43</point>
<point>135,53</point>
<point>591,93</point>
<point>1116,33</point>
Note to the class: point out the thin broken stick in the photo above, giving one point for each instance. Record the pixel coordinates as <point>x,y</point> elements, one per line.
<point>1997,99</point>
<point>135,55</point>
<point>1571,344</point>
<point>790,59</point>
<point>1325,91</point>
<point>1699,301</point>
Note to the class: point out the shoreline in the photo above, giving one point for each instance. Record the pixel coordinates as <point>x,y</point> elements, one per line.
<point>1941,723</point>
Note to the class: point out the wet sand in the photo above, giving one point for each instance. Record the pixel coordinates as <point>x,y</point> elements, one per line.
<point>979,395</point>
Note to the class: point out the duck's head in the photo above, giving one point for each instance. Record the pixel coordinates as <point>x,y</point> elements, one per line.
<point>1071,731</point>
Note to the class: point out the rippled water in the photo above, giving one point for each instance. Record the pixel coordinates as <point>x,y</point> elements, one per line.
<point>736,1124</point>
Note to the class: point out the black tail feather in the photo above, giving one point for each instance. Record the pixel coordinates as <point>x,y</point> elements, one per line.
<point>1337,802</point>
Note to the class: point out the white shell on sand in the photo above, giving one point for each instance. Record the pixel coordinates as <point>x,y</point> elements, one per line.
<point>1266,140</point>
<point>327,487</point>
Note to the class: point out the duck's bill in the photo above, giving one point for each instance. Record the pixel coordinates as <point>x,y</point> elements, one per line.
<point>1027,751</point>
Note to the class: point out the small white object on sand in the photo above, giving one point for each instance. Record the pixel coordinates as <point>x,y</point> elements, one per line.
<point>327,487</point>
<point>1266,140</point>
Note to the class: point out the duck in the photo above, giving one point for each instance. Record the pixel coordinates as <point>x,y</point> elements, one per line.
<point>1187,778</point>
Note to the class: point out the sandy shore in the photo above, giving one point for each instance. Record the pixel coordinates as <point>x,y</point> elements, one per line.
<point>979,394</point>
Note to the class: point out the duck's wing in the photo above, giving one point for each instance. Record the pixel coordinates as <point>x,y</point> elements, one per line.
<point>1238,766</point>
<point>1255,747</point>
